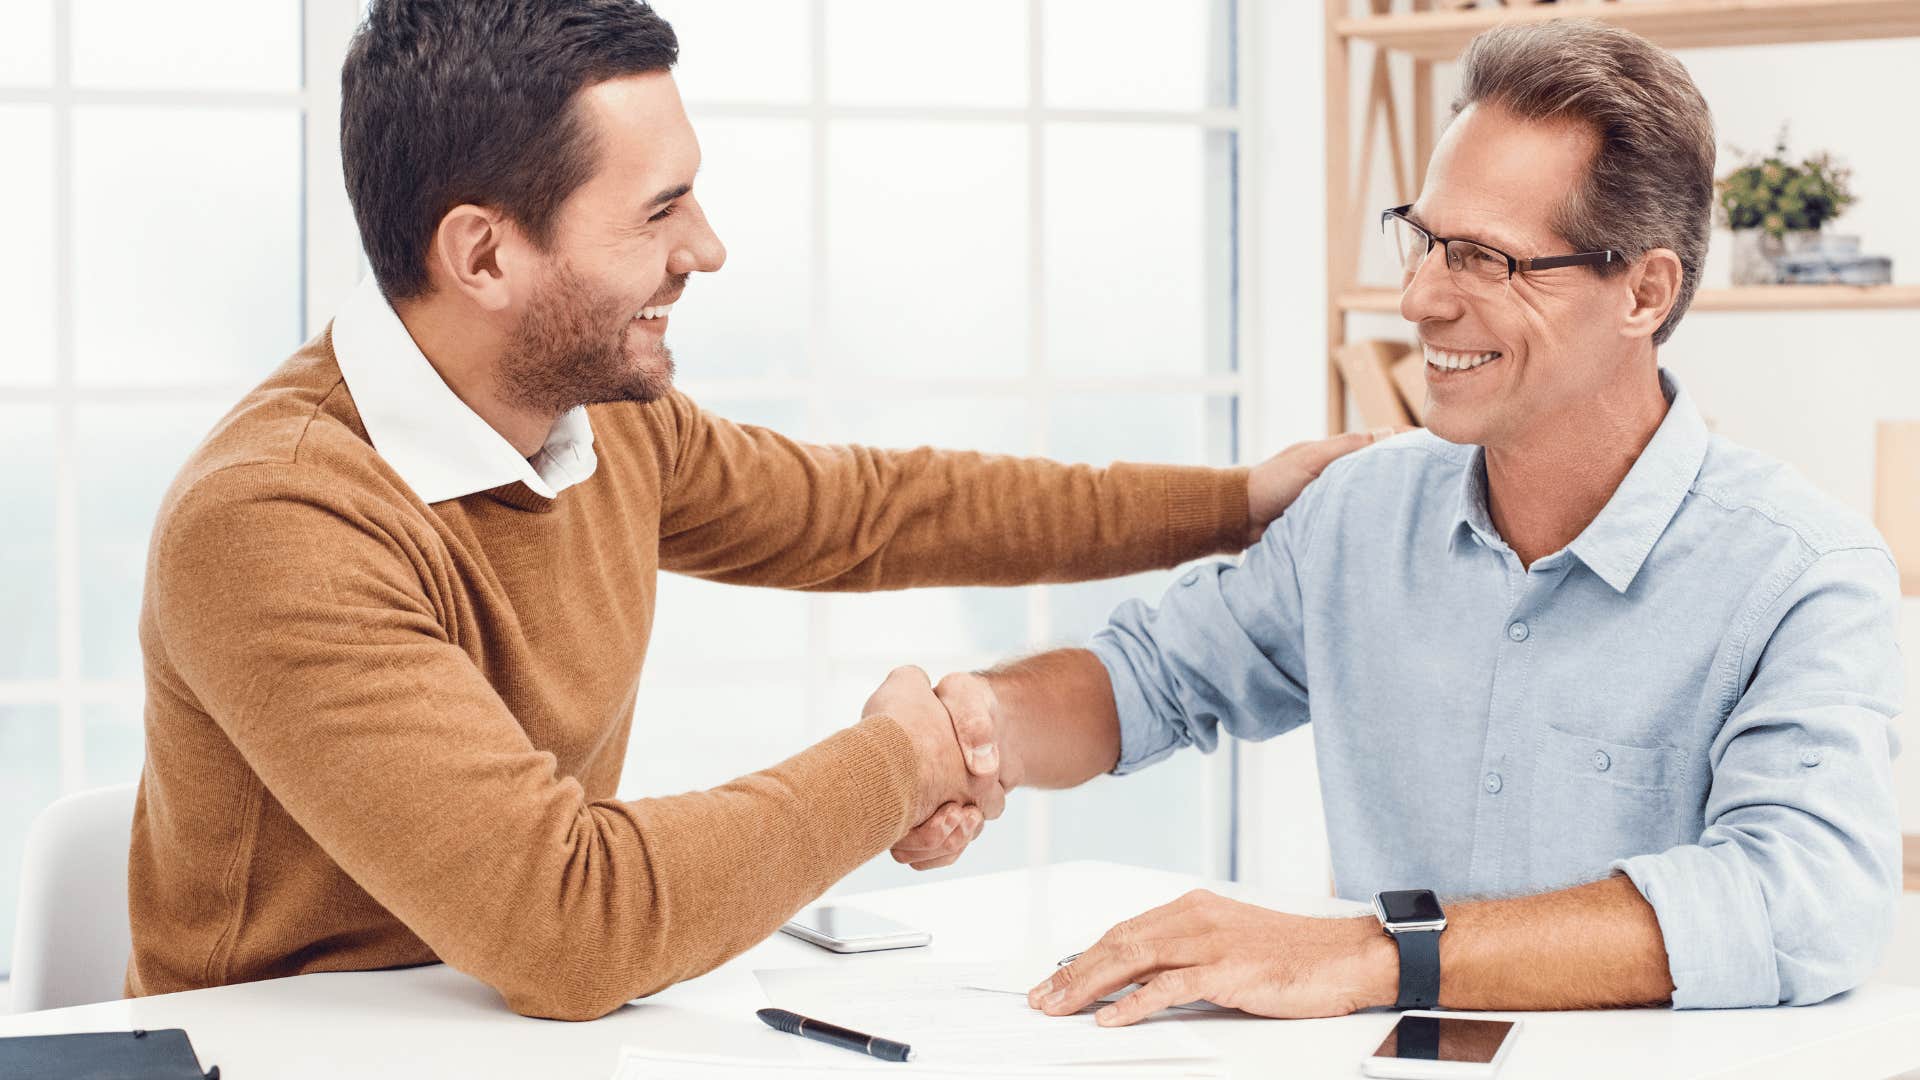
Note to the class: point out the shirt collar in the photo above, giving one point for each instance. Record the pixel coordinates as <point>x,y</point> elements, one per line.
<point>1615,544</point>
<point>439,446</point>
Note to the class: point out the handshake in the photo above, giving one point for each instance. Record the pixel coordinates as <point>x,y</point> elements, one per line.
<point>965,765</point>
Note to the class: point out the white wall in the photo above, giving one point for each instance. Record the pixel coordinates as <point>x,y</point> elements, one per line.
<point>1804,387</point>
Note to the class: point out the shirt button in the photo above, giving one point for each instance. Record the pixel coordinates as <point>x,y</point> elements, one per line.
<point>1601,761</point>
<point>1517,631</point>
<point>1493,783</point>
<point>1190,577</point>
<point>1810,759</point>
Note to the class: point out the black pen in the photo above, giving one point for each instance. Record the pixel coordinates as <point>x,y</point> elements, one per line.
<point>832,1035</point>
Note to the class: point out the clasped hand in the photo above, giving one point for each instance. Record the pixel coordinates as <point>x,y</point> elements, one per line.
<point>965,768</point>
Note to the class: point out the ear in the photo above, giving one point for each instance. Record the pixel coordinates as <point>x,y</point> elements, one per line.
<point>473,250</point>
<point>1653,286</point>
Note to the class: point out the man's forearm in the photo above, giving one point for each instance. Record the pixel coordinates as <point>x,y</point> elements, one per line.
<point>1059,721</point>
<point>1589,947</point>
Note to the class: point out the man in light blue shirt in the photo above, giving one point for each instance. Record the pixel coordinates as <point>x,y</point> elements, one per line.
<point>1567,648</point>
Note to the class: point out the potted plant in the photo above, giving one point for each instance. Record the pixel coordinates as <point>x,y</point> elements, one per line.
<point>1775,207</point>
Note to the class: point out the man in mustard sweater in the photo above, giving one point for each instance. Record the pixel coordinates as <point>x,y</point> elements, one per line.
<point>398,602</point>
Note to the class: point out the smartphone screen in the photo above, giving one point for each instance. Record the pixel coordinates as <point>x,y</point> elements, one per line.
<point>1445,1038</point>
<point>848,924</point>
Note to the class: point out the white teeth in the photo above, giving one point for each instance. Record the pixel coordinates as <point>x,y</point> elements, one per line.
<point>659,312</point>
<point>1456,361</point>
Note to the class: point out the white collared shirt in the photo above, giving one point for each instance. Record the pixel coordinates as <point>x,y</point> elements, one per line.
<point>439,446</point>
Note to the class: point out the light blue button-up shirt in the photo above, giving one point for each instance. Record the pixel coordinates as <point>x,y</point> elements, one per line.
<point>1697,691</point>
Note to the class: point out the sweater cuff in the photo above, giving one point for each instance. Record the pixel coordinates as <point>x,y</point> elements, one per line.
<point>1206,513</point>
<point>878,757</point>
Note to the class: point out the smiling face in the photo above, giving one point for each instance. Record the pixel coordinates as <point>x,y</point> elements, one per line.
<point>623,245</point>
<point>1511,359</point>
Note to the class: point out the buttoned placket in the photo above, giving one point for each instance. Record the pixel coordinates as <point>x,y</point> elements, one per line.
<point>1499,821</point>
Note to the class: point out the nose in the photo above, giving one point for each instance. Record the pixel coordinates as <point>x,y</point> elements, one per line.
<point>700,248</point>
<point>1431,293</point>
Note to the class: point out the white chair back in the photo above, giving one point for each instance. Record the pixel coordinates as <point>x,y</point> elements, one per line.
<point>71,939</point>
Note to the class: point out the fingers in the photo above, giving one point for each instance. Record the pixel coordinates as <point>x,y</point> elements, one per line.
<point>1176,986</point>
<point>1106,968</point>
<point>935,842</point>
<point>969,701</point>
<point>930,836</point>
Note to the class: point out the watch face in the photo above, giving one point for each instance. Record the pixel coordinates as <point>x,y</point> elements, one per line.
<point>1411,906</point>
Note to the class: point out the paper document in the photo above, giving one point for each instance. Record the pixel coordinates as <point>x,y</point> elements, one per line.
<point>637,1063</point>
<point>1020,980</point>
<point>935,1009</point>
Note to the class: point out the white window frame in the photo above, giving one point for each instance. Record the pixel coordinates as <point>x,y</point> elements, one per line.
<point>329,262</point>
<point>822,668</point>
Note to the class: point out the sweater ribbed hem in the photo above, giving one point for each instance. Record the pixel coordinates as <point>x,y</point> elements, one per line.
<point>1206,513</point>
<point>879,758</point>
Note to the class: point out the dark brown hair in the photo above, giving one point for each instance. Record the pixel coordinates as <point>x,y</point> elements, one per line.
<point>446,102</point>
<point>1651,183</point>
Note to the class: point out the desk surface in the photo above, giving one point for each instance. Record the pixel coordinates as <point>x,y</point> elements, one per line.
<point>434,1021</point>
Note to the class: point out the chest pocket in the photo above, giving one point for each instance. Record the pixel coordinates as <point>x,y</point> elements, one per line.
<point>1595,801</point>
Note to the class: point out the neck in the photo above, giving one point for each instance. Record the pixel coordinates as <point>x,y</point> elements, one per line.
<point>1546,487</point>
<point>467,352</point>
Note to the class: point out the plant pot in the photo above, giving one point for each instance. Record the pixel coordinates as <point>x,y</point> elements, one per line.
<point>1754,251</point>
<point>1802,242</point>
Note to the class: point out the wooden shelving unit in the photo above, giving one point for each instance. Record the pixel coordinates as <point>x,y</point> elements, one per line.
<point>1429,36</point>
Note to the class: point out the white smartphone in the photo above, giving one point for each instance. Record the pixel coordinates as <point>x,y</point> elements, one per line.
<point>850,930</point>
<point>1423,1046</point>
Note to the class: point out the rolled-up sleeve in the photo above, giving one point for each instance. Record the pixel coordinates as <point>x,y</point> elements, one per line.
<point>1789,897</point>
<point>1224,647</point>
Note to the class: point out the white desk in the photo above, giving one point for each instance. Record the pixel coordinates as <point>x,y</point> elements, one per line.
<point>435,1021</point>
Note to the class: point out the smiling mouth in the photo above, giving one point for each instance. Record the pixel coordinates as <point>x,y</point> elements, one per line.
<point>1450,360</point>
<point>656,311</point>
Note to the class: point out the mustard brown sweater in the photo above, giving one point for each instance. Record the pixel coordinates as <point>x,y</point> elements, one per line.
<point>383,733</point>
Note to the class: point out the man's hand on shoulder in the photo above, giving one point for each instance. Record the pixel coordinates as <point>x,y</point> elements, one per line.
<point>1273,484</point>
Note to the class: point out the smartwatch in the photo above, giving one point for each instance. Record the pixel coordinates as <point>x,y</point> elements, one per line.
<point>1412,917</point>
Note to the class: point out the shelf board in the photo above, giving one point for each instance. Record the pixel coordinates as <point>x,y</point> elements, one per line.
<point>1675,24</point>
<point>1742,298</point>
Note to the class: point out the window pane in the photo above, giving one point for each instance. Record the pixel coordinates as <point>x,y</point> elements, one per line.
<point>927,250</point>
<point>693,738</point>
<point>218,45</point>
<point>741,50</point>
<point>116,743</point>
<point>1138,250</point>
<point>125,458</point>
<point>29,627</point>
<point>26,42</point>
<point>1171,428</point>
<point>187,243</point>
<point>752,317</point>
<point>26,274</point>
<point>29,780</point>
<point>1156,817</point>
<point>884,52</point>
<point>1138,54</point>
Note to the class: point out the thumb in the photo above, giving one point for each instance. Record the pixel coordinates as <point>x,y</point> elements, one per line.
<point>970,706</point>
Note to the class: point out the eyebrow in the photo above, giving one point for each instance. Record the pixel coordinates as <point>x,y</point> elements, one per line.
<point>670,194</point>
<point>1502,243</point>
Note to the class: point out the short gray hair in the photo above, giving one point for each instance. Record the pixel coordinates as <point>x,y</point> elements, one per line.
<point>1651,184</point>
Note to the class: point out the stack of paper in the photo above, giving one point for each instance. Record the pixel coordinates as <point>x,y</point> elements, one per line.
<point>937,1010</point>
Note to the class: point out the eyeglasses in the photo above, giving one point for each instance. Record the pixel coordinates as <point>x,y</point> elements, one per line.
<point>1487,265</point>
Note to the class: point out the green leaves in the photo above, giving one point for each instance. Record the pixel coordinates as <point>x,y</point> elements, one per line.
<point>1779,196</point>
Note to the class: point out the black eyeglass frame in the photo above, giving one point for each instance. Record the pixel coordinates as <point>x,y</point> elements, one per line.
<point>1550,262</point>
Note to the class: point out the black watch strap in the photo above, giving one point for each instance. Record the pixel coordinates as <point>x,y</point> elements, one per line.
<point>1419,968</point>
